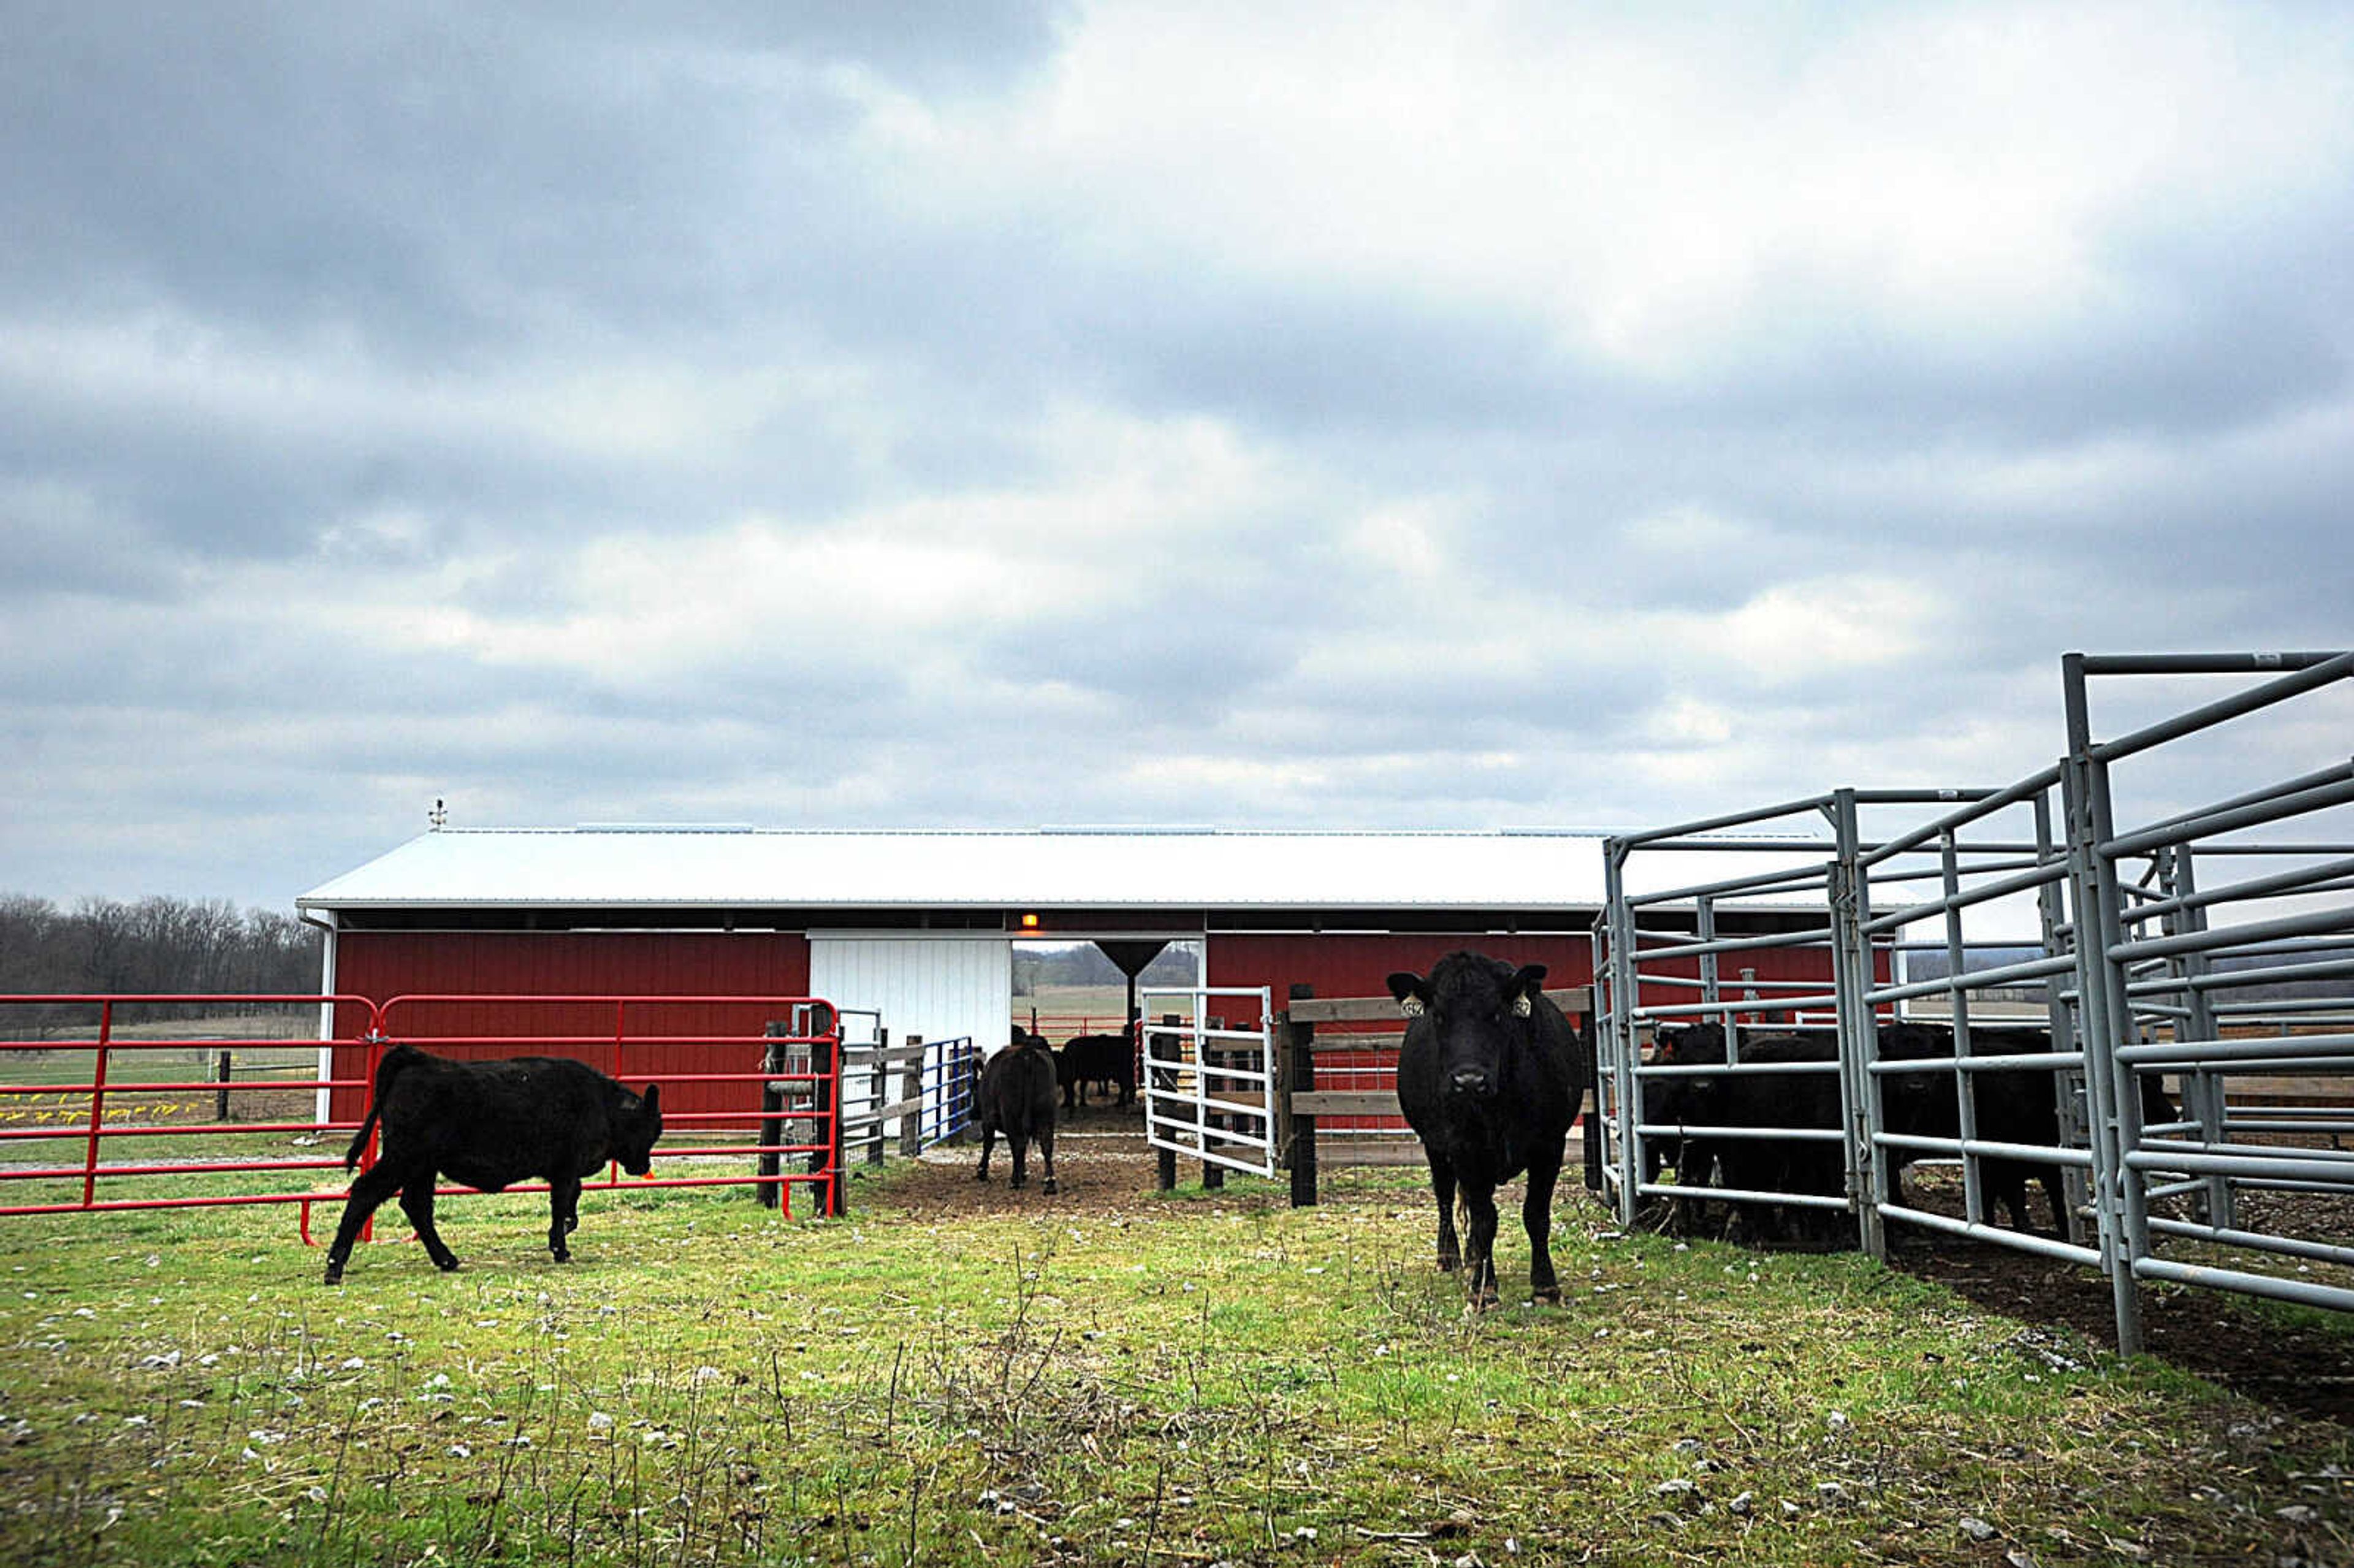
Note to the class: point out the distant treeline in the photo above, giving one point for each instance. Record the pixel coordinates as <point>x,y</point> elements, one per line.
<point>1082,963</point>
<point>153,945</point>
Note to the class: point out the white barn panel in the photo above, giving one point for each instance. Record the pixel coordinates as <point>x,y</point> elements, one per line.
<point>938,987</point>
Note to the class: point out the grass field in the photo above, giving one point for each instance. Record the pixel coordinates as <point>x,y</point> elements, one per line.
<point>1180,1379</point>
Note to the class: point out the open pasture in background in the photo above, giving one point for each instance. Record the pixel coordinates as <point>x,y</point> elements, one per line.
<point>1064,1011</point>
<point>1178,1379</point>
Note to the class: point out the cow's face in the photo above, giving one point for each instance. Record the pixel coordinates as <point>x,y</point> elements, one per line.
<point>639,1125</point>
<point>1692,1045</point>
<point>1688,1046</point>
<point>1479,1007</point>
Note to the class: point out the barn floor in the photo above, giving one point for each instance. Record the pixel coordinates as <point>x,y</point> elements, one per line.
<point>1102,1165</point>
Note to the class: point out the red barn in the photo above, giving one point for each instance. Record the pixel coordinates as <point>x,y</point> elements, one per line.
<point>917,925</point>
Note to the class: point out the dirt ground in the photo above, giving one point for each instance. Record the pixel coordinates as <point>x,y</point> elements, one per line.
<point>2224,1338</point>
<point>1104,1166</point>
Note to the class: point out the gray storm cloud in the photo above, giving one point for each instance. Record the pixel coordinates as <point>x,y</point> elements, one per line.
<point>1047,414</point>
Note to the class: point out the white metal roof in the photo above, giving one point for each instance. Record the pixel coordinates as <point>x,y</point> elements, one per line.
<point>608,865</point>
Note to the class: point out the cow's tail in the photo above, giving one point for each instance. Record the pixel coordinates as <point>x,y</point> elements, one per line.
<point>397,1058</point>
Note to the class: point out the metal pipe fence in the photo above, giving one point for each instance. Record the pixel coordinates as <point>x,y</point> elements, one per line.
<point>2172,952</point>
<point>91,1091</point>
<point>1209,1090</point>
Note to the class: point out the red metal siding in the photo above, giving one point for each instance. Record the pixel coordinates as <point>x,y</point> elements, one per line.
<point>382,964</point>
<point>1811,964</point>
<point>1360,966</point>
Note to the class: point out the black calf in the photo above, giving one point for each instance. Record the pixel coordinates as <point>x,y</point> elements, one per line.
<point>488,1124</point>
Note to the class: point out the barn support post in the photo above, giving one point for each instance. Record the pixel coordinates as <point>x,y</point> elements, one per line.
<point>911,1094</point>
<point>1300,1059</point>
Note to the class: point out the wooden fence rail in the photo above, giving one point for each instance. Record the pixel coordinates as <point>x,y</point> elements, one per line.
<point>1302,1103</point>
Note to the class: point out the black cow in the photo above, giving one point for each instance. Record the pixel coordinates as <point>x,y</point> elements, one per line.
<point>488,1124</point>
<point>1109,1060</point>
<point>1490,1077</point>
<point>1807,1101</point>
<point>1017,1098</point>
<point>1681,1101</point>
<point>2013,1106</point>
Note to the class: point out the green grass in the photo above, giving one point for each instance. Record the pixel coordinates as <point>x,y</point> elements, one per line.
<point>1212,1379</point>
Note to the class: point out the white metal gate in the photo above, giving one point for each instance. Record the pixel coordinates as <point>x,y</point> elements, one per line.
<point>1208,1089</point>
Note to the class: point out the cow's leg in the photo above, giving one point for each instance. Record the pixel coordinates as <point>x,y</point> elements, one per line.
<point>988,1141</point>
<point>1480,1245</point>
<point>2049,1175</point>
<point>1536,1217</point>
<point>374,1185</point>
<point>563,1213</point>
<point>417,1203</point>
<point>1046,1153</point>
<point>1694,1165</point>
<point>1442,1187</point>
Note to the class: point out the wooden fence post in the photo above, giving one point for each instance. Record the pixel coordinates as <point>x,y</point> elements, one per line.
<point>911,1094</point>
<point>969,1082</point>
<point>1164,1171</point>
<point>1299,1058</point>
<point>877,1077</point>
<point>1213,1176</point>
<point>220,1096</point>
<point>1592,1112</point>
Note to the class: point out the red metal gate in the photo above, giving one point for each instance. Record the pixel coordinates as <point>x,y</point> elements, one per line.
<point>71,1089</point>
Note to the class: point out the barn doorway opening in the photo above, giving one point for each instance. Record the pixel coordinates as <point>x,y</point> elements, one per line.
<point>1065,986</point>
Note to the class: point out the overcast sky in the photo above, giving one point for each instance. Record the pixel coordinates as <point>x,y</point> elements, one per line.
<point>999,415</point>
